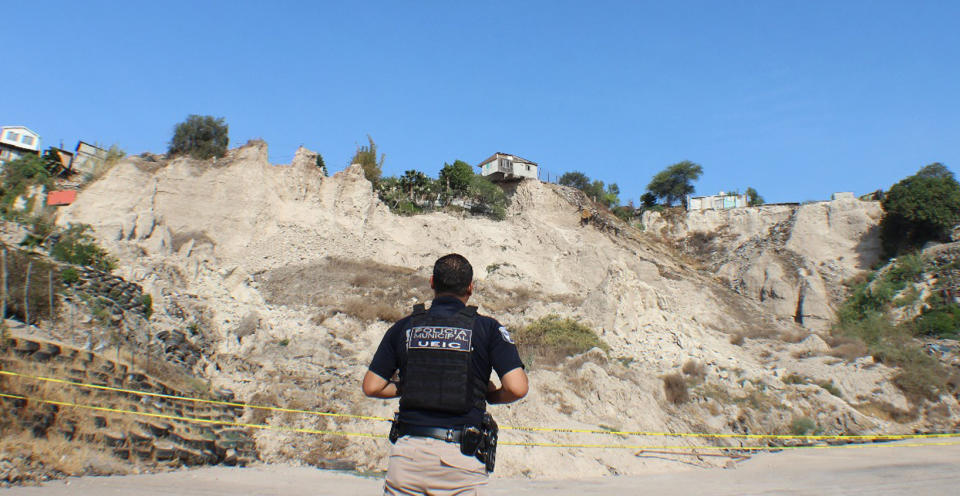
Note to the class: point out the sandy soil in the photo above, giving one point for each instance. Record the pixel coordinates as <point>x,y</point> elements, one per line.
<point>875,469</point>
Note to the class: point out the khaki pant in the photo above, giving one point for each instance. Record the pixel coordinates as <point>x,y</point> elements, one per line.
<point>426,466</point>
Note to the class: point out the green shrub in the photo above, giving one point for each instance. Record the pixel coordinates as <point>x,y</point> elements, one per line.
<point>863,318</point>
<point>4,335</point>
<point>555,337</point>
<point>830,387</point>
<point>456,177</point>
<point>100,311</point>
<point>200,136</point>
<point>941,321</point>
<point>795,379</point>
<point>920,208</point>
<point>147,302</point>
<point>406,207</point>
<point>38,300</point>
<point>75,246</point>
<point>415,192</point>
<point>69,275</point>
<point>366,156</point>
<point>487,198</point>
<point>803,426</point>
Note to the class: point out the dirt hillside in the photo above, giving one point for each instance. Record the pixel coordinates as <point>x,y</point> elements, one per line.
<point>287,279</point>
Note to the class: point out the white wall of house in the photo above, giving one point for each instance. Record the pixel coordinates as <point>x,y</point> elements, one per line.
<point>718,202</point>
<point>87,158</point>
<point>510,167</point>
<point>525,170</point>
<point>21,137</point>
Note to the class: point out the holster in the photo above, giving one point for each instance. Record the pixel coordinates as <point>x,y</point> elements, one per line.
<point>395,428</point>
<point>487,449</point>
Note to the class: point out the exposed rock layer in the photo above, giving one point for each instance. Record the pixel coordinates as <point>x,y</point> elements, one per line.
<point>218,242</point>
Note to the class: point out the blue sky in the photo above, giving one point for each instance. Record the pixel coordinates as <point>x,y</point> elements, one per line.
<point>797,99</point>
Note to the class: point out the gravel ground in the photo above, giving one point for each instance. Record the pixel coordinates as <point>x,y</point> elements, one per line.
<point>894,468</point>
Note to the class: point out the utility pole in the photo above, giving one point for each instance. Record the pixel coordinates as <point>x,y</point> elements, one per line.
<point>26,295</point>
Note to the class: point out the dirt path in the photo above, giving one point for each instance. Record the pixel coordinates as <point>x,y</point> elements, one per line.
<point>928,469</point>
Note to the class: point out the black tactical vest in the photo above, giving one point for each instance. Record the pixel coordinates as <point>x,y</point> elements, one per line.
<point>437,363</point>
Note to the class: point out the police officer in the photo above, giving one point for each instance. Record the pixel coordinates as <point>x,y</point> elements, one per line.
<point>444,357</point>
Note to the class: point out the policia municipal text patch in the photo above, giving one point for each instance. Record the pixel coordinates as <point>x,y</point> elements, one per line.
<point>439,338</point>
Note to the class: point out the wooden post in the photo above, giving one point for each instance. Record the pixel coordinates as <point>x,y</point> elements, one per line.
<point>26,295</point>
<point>3,309</point>
<point>50,288</point>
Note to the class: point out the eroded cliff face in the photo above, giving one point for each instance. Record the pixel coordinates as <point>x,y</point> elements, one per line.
<point>290,279</point>
<point>792,259</point>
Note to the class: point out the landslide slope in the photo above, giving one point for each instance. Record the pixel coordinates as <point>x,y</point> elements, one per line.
<point>291,278</point>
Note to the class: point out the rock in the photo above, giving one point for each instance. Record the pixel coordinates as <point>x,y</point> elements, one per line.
<point>230,457</point>
<point>813,345</point>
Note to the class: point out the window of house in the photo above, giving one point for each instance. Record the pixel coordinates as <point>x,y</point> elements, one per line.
<point>528,168</point>
<point>27,140</point>
<point>12,136</point>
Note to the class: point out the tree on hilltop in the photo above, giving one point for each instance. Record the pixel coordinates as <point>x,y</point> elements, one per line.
<point>608,195</point>
<point>675,182</point>
<point>200,136</point>
<point>575,179</point>
<point>414,184</point>
<point>456,176</point>
<point>921,208</point>
<point>322,165</point>
<point>753,198</point>
<point>366,156</point>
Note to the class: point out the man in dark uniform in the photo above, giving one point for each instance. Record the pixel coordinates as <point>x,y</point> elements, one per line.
<point>444,357</point>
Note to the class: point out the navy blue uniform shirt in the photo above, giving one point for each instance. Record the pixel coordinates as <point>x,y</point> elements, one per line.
<point>493,349</point>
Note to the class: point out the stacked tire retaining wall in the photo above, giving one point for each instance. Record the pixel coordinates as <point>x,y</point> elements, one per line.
<point>159,439</point>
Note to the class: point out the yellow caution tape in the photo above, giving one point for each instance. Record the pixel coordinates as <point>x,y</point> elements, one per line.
<point>187,398</point>
<point>191,419</point>
<point>523,444</point>
<point>724,448</point>
<point>738,436</point>
<point>502,427</point>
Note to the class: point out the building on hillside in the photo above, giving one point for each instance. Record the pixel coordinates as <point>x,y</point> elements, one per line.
<point>87,157</point>
<point>505,167</point>
<point>64,157</point>
<point>720,201</point>
<point>845,195</point>
<point>17,141</point>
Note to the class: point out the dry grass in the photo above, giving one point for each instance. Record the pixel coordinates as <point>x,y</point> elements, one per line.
<point>675,388</point>
<point>367,311</point>
<point>335,283</point>
<point>739,337</point>
<point>886,411</point>
<point>794,336</point>
<point>694,370</point>
<point>846,348</point>
<point>58,457</point>
<point>260,415</point>
<point>551,338</point>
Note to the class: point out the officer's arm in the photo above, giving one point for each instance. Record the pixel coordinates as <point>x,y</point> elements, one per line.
<point>375,386</point>
<point>513,386</point>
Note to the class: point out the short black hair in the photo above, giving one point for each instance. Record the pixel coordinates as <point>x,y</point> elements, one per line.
<point>452,274</point>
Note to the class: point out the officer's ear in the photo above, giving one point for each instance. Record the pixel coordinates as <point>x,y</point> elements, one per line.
<point>432,286</point>
<point>469,289</point>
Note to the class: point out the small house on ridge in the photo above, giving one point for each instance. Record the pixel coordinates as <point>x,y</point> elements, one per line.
<point>506,167</point>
